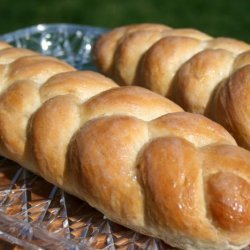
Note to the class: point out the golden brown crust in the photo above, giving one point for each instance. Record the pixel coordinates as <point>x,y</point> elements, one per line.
<point>198,77</point>
<point>128,54</point>
<point>230,207</point>
<point>230,105</point>
<point>118,192</point>
<point>134,101</point>
<point>4,45</point>
<point>129,152</point>
<point>176,51</point>
<point>199,131</point>
<point>221,172</point>
<point>179,175</point>
<point>107,44</point>
<point>200,73</point>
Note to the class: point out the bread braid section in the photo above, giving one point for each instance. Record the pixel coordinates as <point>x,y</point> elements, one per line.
<point>129,152</point>
<point>202,74</point>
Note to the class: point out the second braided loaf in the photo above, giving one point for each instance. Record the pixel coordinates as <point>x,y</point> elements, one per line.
<point>202,74</point>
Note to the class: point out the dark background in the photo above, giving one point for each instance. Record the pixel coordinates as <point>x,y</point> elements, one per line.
<point>216,17</point>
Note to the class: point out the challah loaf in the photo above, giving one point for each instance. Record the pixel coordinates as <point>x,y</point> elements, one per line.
<point>202,74</point>
<point>132,154</point>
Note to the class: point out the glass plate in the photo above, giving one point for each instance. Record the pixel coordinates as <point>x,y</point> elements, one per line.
<point>36,214</point>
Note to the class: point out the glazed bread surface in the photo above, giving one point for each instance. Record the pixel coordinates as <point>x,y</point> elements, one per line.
<point>131,153</point>
<point>202,74</point>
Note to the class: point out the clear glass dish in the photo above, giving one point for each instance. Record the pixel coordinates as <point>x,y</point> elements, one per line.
<point>36,214</point>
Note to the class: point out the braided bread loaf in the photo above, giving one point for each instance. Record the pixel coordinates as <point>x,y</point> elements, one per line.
<point>202,74</point>
<point>131,153</point>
